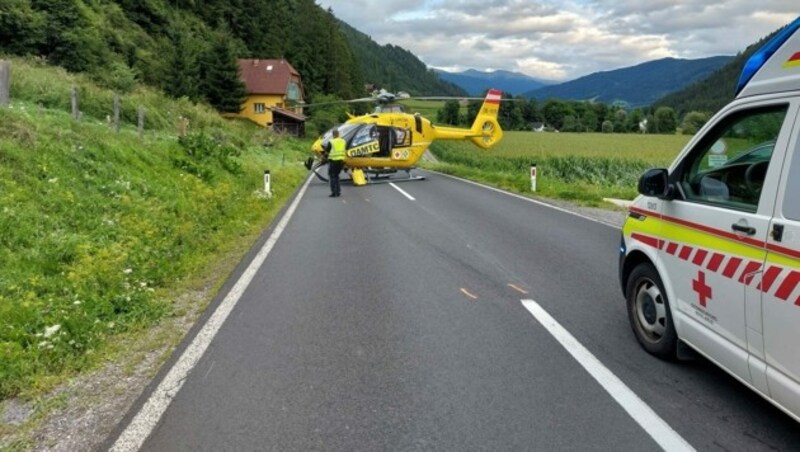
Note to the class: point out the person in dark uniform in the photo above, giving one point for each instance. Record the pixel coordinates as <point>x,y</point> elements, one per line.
<point>336,162</point>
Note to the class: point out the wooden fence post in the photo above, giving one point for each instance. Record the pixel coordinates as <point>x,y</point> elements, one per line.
<point>183,126</point>
<point>74,102</point>
<point>140,111</point>
<point>116,113</point>
<point>5,83</point>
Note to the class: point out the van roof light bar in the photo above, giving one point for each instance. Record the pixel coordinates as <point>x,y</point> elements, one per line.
<point>758,59</point>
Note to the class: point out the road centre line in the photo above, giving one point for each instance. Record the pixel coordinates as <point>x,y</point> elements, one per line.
<point>469,294</point>
<point>525,198</point>
<point>401,191</point>
<point>518,289</point>
<point>142,425</point>
<point>659,430</point>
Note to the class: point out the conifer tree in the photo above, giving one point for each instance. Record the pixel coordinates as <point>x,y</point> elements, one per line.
<point>220,82</point>
<point>181,77</point>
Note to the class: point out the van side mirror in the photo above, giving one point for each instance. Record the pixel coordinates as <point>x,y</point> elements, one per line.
<point>654,182</point>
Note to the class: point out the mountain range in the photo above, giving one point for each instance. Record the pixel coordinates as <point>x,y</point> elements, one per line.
<point>477,82</point>
<point>634,86</point>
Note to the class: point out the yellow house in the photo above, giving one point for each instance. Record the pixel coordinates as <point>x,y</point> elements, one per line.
<point>274,88</point>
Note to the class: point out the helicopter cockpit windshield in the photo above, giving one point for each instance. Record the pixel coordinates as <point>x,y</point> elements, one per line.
<point>345,131</point>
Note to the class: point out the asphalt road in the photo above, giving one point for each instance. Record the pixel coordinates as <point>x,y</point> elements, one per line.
<point>380,322</point>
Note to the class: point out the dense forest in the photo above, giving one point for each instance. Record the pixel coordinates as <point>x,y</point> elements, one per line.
<point>189,48</point>
<point>395,68</point>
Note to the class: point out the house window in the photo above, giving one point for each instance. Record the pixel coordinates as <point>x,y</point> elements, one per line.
<point>293,91</point>
<point>259,108</point>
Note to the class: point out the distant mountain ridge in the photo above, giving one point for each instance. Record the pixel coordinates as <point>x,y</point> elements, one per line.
<point>713,92</point>
<point>476,82</point>
<point>634,86</point>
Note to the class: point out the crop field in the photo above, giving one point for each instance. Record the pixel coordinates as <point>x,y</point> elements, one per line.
<point>426,108</point>
<point>583,167</point>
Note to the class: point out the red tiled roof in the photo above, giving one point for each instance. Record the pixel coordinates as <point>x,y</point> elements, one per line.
<point>268,76</point>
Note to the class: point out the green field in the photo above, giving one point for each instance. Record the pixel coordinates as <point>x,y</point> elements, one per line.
<point>583,167</point>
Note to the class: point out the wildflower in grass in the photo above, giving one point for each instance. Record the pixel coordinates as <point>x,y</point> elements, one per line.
<point>128,271</point>
<point>51,330</point>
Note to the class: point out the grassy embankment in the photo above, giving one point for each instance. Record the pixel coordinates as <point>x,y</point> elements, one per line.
<point>100,231</point>
<point>582,167</point>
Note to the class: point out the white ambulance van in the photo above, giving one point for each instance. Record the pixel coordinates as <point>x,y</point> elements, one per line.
<point>710,254</point>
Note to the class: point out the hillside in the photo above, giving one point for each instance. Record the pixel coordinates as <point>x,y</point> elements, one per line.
<point>634,86</point>
<point>394,68</point>
<point>104,232</point>
<point>477,82</point>
<point>173,46</point>
<point>714,92</point>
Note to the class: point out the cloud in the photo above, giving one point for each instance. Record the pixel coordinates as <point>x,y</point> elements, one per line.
<point>561,40</point>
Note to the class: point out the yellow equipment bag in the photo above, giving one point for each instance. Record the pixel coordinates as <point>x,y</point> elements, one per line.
<point>358,177</point>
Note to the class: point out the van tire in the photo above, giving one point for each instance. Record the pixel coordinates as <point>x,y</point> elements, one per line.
<point>649,312</point>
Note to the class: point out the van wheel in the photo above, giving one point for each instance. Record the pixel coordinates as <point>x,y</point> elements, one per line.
<point>649,313</point>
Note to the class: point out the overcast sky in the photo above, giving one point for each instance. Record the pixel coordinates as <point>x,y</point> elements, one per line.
<point>563,40</point>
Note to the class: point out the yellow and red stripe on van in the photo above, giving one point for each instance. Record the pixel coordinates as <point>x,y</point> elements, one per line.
<point>721,252</point>
<point>793,61</point>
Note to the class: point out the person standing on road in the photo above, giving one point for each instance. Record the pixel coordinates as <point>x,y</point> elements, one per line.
<point>336,162</point>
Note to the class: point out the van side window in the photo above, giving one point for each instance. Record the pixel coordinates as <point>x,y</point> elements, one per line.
<point>727,168</point>
<point>791,207</point>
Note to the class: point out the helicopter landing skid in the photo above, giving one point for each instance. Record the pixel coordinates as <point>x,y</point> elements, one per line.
<point>385,178</point>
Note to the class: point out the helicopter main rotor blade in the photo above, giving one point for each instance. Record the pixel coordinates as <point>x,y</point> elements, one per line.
<point>337,102</point>
<point>316,167</point>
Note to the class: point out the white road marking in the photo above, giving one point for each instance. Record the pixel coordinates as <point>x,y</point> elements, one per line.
<point>659,430</point>
<point>525,198</point>
<point>401,191</point>
<point>147,418</point>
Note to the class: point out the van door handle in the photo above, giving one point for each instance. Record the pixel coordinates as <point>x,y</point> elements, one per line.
<point>777,232</point>
<point>749,230</point>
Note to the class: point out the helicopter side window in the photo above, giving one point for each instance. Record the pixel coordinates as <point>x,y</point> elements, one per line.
<point>402,137</point>
<point>364,135</point>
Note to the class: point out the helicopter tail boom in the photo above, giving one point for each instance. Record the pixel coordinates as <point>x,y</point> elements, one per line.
<point>485,131</point>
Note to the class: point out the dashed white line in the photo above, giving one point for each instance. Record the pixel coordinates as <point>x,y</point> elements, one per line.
<point>147,418</point>
<point>401,191</point>
<point>659,430</point>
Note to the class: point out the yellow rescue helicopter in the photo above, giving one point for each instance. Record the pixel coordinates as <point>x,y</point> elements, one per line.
<point>387,140</point>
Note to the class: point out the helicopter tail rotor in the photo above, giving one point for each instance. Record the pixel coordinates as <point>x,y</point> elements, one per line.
<point>488,133</point>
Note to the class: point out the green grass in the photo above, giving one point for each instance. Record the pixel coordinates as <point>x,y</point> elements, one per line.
<point>99,230</point>
<point>579,167</point>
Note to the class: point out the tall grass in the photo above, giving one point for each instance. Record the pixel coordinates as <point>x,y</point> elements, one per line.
<point>582,167</point>
<point>99,230</point>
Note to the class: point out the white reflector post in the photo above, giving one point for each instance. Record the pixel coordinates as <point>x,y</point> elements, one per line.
<point>533,177</point>
<point>267,183</point>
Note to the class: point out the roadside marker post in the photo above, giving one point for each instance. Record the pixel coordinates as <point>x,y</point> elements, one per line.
<point>5,83</point>
<point>267,183</point>
<point>533,177</point>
